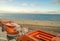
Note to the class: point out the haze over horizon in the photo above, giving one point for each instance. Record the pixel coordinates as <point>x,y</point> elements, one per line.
<point>30,6</point>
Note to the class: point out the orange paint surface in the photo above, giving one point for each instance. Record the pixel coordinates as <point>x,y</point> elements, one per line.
<point>24,38</point>
<point>9,29</point>
<point>38,35</point>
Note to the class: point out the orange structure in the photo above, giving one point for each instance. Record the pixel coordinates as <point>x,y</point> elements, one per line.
<point>38,35</point>
<point>3,24</point>
<point>10,28</point>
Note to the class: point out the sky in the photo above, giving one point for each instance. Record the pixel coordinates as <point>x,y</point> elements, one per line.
<point>30,6</point>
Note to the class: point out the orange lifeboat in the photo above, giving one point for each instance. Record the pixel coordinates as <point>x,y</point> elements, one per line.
<point>24,38</point>
<point>10,28</point>
<point>3,24</point>
<point>38,35</point>
<point>0,21</point>
<point>56,38</point>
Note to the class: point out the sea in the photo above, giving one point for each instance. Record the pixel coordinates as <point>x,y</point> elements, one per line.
<point>48,17</point>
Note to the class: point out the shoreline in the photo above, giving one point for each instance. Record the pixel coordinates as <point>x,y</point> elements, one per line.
<point>37,22</point>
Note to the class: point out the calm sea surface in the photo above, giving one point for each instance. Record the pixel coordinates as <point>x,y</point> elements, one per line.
<point>49,17</point>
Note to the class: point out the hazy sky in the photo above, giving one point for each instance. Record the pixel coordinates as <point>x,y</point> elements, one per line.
<point>30,6</point>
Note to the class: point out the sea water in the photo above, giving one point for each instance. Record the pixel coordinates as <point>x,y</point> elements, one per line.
<point>49,17</point>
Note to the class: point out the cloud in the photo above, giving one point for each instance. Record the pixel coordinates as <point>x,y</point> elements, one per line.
<point>32,11</point>
<point>24,4</point>
<point>3,11</point>
<point>5,2</point>
<point>56,2</point>
<point>33,5</point>
<point>53,12</point>
<point>28,5</point>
